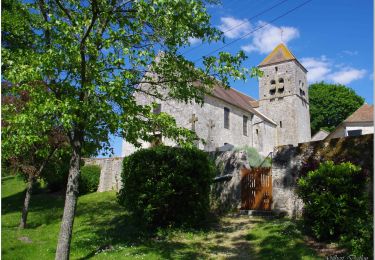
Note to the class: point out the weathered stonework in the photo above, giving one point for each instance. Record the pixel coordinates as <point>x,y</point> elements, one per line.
<point>288,161</point>
<point>260,133</point>
<point>226,193</point>
<point>283,96</point>
<point>110,172</point>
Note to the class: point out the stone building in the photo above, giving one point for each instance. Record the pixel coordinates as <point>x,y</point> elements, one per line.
<point>230,118</point>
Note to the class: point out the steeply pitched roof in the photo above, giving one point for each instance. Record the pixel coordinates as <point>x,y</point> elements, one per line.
<point>239,99</point>
<point>280,54</point>
<point>363,114</point>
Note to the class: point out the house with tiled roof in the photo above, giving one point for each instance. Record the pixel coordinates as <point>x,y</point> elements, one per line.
<point>230,118</point>
<point>361,122</point>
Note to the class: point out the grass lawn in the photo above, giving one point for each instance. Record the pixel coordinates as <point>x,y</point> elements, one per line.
<point>103,230</point>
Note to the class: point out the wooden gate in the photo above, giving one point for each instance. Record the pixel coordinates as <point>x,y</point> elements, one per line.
<point>256,189</point>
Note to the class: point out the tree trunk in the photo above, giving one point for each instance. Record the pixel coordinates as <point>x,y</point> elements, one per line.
<point>26,203</point>
<point>66,229</point>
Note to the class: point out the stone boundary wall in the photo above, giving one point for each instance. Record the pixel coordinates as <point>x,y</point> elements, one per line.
<point>288,162</point>
<point>110,172</point>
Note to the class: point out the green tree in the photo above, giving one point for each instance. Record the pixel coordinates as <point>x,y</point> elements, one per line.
<point>330,104</point>
<point>26,146</point>
<point>94,55</point>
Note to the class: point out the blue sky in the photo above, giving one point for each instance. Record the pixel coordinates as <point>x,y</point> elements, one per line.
<point>332,39</point>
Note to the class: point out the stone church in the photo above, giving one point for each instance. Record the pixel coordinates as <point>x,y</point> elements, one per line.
<point>230,118</point>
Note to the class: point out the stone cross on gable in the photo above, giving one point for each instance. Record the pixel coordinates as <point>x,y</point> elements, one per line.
<point>281,34</point>
<point>192,121</point>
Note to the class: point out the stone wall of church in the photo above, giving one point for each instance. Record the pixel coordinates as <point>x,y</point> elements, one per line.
<point>217,136</point>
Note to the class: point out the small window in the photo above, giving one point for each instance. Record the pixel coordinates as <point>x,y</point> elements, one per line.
<point>256,131</point>
<point>281,124</point>
<point>226,117</point>
<point>157,109</point>
<point>273,82</point>
<point>272,99</point>
<point>280,90</point>
<point>300,92</point>
<point>355,132</point>
<point>244,125</point>
<point>281,80</point>
<point>272,91</point>
<point>276,69</point>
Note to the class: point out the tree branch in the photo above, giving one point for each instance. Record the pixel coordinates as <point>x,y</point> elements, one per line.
<point>67,13</point>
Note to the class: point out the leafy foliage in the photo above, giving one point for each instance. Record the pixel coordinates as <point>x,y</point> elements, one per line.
<point>336,205</point>
<point>88,61</point>
<point>55,174</point>
<point>331,104</point>
<point>255,159</point>
<point>167,186</point>
<point>89,179</point>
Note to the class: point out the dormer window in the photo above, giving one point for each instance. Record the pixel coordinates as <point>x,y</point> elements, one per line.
<point>273,82</point>
<point>281,80</point>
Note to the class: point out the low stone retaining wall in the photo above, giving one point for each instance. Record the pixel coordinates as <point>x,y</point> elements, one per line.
<point>288,162</point>
<point>110,172</point>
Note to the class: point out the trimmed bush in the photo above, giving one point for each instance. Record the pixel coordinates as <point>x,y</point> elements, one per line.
<point>336,206</point>
<point>89,179</point>
<point>167,186</point>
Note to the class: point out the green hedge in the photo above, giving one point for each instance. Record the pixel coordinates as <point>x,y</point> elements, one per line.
<point>167,186</point>
<point>336,206</point>
<point>89,179</point>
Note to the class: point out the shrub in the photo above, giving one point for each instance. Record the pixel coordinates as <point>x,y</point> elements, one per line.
<point>254,158</point>
<point>89,179</point>
<point>55,173</point>
<point>336,205</point>
<point>165,186</point>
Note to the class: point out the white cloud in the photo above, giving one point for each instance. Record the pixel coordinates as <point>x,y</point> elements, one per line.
<point>268,37</point>
<point>234,28</point>
<point>320,69</point>
<point>194,40</point>
<point>347,75</point>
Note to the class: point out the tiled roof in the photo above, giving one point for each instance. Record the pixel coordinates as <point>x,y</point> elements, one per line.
<point>233,97</point>
<point>279,54</point>
<point>363,114</point>
<point>239,99</point>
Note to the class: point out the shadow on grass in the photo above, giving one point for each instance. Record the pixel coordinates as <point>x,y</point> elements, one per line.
<point>280,239</point>
<point>113,233</point>
<point>121,230</point>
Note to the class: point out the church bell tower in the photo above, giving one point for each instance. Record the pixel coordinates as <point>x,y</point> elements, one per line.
<point>283,96</point>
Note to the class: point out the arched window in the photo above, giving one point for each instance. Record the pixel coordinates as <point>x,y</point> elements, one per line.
<point>273,82</point>
<point>281,80</point>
